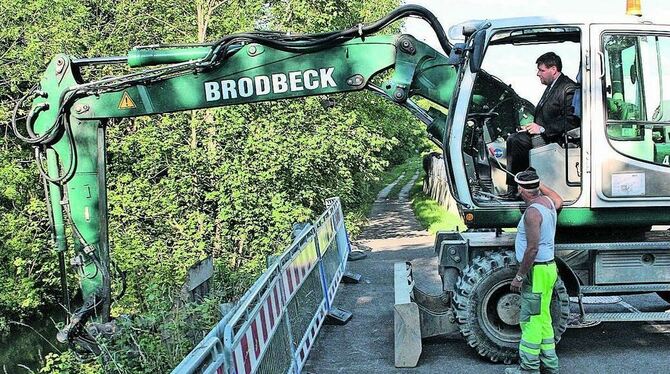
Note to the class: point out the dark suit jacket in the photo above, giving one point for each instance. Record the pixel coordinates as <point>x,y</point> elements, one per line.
<point>551,112</point>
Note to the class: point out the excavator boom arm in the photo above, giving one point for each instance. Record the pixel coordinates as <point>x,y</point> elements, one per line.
<point>67,121</point>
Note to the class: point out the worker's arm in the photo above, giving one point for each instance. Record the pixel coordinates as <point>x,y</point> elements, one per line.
<point>532,221</point>
<point>555,197</point>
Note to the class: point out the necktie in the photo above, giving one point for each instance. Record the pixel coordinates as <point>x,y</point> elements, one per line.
<point>544,96</point>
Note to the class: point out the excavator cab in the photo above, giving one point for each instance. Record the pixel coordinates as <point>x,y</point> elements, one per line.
<point>609,163</point>
<point>504,95</point>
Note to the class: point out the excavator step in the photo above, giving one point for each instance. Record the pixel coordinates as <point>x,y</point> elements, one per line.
<point>627,317</point>
<point>625,288</point>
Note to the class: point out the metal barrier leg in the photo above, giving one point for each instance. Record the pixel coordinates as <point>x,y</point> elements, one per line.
<point>337,316</point>
<point>351,278</point>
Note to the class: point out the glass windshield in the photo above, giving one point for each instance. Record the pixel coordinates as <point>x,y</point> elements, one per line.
<point>638,105</point>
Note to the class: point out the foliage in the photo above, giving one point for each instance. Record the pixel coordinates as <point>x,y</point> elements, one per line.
<point>67,363</point>
<point>224,182</point>
<point>157,341</point>
<point>430,214</point>
<point>27,277</point>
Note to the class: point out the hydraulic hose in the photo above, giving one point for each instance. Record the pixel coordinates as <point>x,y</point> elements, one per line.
<point>316,42</point>
<point>220,50</point>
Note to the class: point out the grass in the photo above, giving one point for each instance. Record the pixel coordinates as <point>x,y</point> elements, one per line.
<point>430,214</point>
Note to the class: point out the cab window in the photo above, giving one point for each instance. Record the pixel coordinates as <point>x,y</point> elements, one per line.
<point>637,80</point>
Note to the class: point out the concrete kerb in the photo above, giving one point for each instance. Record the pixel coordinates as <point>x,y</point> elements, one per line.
<point>407,326</point>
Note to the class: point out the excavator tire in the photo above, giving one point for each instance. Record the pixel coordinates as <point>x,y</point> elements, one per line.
<point>481,302</point>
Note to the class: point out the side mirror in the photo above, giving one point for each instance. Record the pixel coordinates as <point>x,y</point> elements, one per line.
<point>477,51</point>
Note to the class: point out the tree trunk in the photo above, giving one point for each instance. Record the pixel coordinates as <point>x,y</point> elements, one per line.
<point>204,11</point>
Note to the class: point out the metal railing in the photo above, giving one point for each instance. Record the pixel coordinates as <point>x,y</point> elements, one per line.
<point>274,325</point>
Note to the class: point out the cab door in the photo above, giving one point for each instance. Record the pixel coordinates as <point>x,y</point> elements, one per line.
<point>630,118</point>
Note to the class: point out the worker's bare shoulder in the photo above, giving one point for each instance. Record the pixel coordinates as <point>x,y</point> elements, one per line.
<point>532,216</point>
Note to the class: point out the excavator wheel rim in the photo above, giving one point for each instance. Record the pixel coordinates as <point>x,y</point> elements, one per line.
<point>467,303</point>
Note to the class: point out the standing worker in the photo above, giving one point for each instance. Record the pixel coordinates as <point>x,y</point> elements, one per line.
<point>537,274</point>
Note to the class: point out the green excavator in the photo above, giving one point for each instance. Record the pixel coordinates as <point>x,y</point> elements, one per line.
<point>612,171</point>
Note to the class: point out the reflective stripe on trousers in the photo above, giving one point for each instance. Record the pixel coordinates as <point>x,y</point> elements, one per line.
<point>537,348</point>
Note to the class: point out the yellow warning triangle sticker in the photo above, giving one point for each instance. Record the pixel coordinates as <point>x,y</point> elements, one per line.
<point>126,102</point>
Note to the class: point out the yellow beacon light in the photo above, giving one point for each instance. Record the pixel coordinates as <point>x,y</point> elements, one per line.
<point>633,8</point>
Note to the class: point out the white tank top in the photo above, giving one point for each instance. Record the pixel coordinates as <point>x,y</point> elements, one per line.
<point>547,232</point>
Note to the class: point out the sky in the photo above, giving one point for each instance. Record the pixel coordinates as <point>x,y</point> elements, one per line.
<point>520,63</point>
<point>451,12</point>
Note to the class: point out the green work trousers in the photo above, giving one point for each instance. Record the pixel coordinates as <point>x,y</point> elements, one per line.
<point>537,348</point>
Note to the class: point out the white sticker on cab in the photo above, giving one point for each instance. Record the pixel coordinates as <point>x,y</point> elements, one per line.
<point>628,184</point>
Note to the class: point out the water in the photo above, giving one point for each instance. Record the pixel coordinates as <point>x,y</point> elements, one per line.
<point>24,345</point>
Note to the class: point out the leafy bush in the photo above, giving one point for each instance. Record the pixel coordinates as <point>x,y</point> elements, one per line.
<point>226,182</point>
<point>28,277</point>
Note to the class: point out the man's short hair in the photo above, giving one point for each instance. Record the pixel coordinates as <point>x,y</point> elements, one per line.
<point>550,59</point>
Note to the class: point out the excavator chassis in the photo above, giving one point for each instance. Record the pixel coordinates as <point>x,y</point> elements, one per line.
<point>477,268</point>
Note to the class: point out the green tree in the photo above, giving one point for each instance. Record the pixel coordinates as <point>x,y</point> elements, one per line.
<point>226,182</point>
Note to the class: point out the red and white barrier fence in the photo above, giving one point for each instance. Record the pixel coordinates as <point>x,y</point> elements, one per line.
<point>274,325</point>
